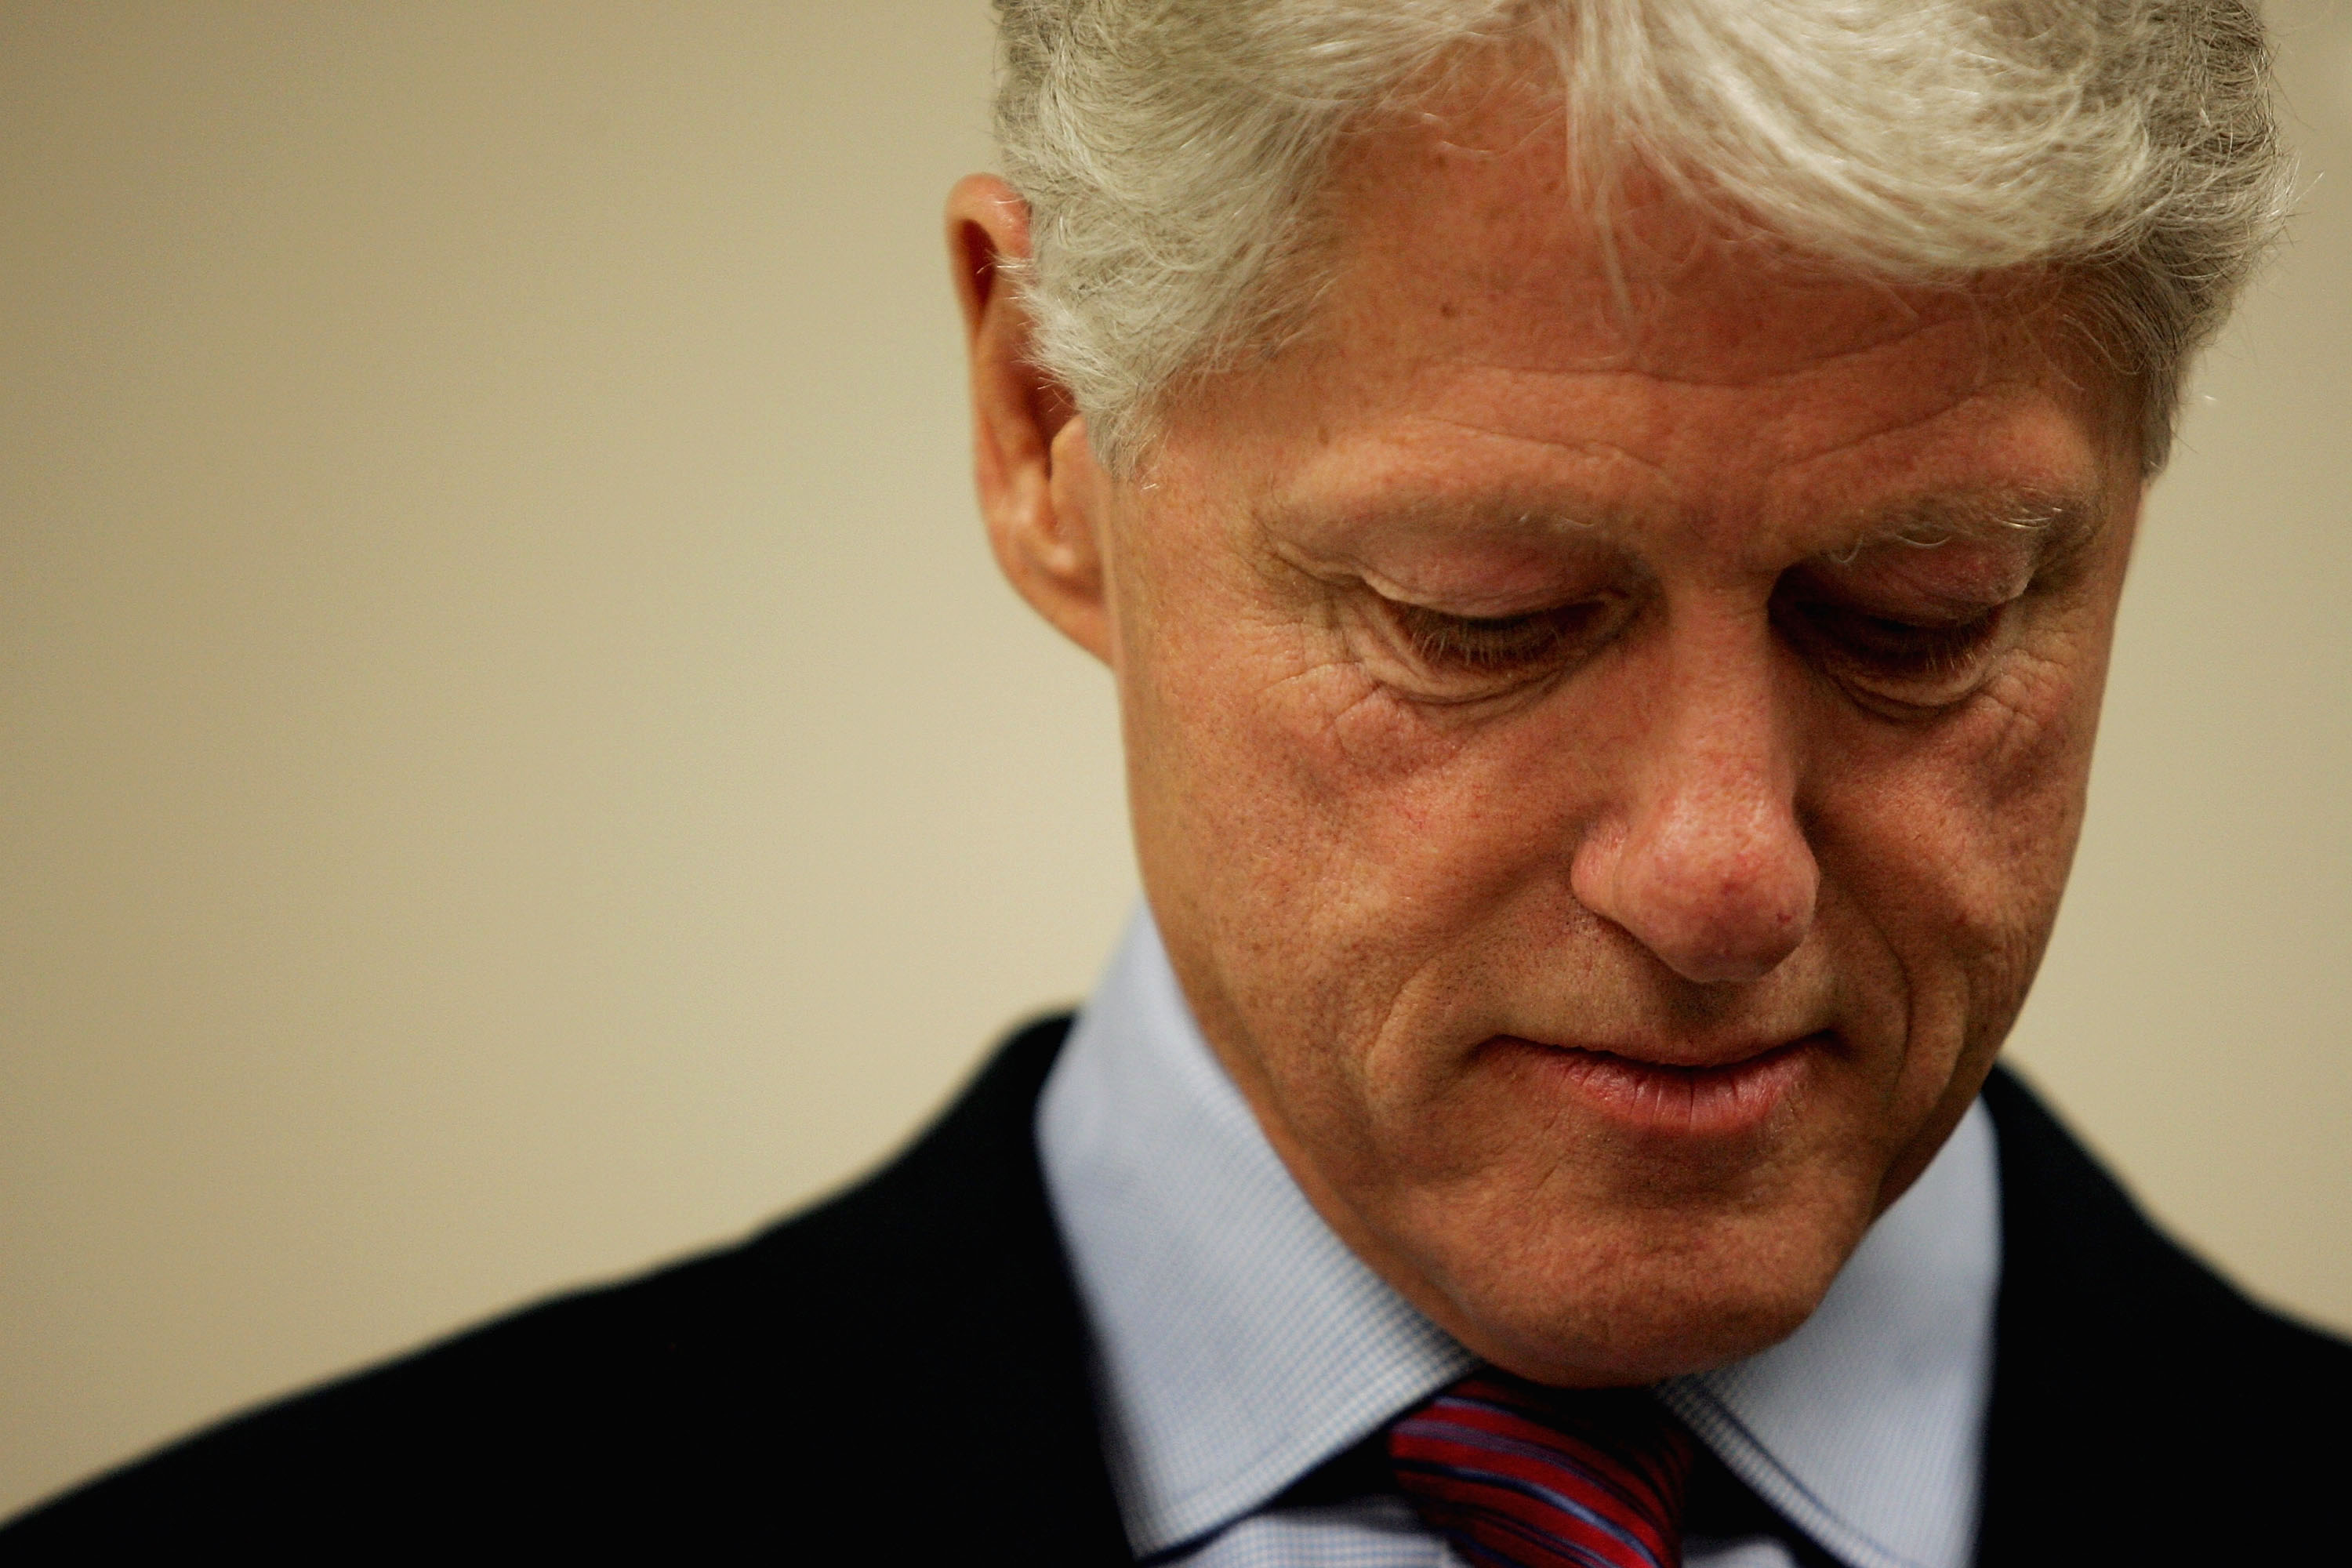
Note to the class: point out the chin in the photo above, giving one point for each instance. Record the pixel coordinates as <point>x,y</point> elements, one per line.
<point>1597,1316</point>
<point>1644,1343</point>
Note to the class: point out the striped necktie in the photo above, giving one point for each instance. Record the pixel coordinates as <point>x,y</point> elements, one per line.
<point>1516,1475</point>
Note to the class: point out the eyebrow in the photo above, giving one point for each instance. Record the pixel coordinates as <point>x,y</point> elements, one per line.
<point>2053,524</point>
<point>1476,515</point>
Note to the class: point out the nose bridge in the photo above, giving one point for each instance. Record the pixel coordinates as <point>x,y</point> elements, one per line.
<point>1707,865</point>
<point>1721,751</point>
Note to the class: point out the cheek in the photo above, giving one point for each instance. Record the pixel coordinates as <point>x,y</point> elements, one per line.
<point>1335,856</point>
<point>1314,788</point>
<point>1955,844</point>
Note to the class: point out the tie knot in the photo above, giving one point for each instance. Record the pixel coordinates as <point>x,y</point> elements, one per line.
<point>1520,1475</point>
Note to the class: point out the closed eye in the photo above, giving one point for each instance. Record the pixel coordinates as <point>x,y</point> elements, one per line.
<point>1492,645</point>
<point>1920,662</point>
<point>1910,647</point>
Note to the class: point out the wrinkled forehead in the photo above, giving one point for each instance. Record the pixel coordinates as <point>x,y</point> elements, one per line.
<point>1492,346</point>
<point>1472,208</point>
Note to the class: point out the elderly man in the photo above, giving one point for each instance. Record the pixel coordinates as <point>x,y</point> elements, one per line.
<point>1607,519</point>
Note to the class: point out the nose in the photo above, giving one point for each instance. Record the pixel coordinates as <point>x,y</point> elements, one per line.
<point>1702,859</point>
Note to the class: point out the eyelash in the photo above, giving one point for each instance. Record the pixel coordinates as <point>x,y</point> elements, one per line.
<point>1930,664</point>
<point>1480,645</point>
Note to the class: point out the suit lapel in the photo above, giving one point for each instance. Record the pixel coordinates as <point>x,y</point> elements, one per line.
<point>953,1300</point>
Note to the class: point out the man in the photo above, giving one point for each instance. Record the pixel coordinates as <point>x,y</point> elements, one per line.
<point>1607,521</point>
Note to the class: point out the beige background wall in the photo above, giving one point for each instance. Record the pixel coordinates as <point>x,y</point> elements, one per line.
<point>513,761</point>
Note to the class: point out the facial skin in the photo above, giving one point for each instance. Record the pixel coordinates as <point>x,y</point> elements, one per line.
<point>1603,766</point>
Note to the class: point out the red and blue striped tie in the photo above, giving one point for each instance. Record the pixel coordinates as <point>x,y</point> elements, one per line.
<point>1519,1475</point>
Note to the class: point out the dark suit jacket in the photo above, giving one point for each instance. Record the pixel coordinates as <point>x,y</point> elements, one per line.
<point>902,1367</point>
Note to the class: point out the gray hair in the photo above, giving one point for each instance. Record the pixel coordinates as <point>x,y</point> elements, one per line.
<point>1170,151</point>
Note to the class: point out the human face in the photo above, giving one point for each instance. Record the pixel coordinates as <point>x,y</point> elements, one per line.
<point>1605,763</point>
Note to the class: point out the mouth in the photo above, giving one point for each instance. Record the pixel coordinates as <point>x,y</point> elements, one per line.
<point>1712,1100</point>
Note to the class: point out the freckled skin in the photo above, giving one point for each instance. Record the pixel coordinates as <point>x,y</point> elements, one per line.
<point>1699,834</point>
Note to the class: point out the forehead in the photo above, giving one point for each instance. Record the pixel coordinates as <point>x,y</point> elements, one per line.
<point>1472,206</point>
<point>1485,346</point>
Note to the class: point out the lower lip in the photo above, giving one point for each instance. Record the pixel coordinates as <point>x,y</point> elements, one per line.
<point>1684,1101</point>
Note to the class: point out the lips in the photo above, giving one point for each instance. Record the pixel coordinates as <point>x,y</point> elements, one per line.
<point>1735,1094</point>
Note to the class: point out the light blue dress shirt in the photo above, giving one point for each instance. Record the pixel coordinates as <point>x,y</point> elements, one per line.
<point>1238,1343</point>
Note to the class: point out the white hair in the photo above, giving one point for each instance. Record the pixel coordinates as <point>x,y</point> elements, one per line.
<point>1170,151</point>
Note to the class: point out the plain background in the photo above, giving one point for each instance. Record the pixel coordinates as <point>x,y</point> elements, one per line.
<point>514,761</point>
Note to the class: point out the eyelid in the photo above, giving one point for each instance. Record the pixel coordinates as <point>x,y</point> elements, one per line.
<point>1947,616</point>
<point>1420,621</point>
<point>1445,657</point>
<point>1489,608</point>
<point>1948,663</point>
<point>1900,599</point>
<point>1501,612</point>
<point>1496,579</point>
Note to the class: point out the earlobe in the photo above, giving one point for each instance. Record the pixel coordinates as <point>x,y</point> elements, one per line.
<point>1041,491</point>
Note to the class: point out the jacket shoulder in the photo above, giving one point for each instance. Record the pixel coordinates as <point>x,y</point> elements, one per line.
<point>2143,1408</point>
<point>715,1398</point>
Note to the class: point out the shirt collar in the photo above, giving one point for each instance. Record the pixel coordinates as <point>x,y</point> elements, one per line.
<point>1238,1343</point>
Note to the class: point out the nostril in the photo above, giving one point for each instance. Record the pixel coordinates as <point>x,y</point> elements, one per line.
<point>1716,903</point>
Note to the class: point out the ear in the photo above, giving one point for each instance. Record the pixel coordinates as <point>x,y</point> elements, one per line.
<point>1042,492</point>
